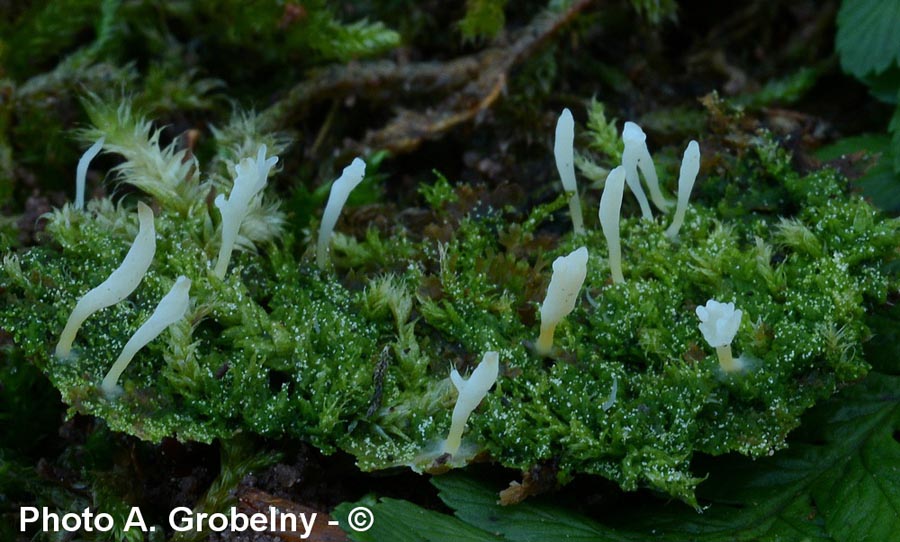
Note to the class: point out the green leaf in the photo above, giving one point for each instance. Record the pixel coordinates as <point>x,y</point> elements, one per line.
<point>884,347</point>
<point>894,129</point>
<point>880,183</point>
<point>838,481</point>
<point>867,36</point>
<point>475,503</point>
<point>402,521</point>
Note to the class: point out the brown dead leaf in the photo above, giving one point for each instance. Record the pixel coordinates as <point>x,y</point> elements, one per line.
<point>251,501</point>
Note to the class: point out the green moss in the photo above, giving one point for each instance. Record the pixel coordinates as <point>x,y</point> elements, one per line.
<point>358,359</point>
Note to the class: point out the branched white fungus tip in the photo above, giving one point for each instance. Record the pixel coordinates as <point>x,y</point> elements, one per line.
<point>634,138</point>
<point>565,283</point>
<point>250,179</point>
<point>171,308</point>
<point>719,323</point>
<point>470,394</point>
<point>340,191</point>
<point>690,166</point>
<point>564,152</point>
<point>81,171</point>
<point>610,211</point>
<point>118,285</point>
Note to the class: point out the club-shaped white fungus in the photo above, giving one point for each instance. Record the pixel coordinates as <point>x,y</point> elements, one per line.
<point>565,283</point>
<point>118,285</point>
<point>610,210</point>
<point>340,190</point>
<point>171,309</point>
<point>81,171</point>
<point>250,179</point>
<point>563,151</point>
<point>719,322</point>
<point>635,141</point>
<point>470,393</point>
<point>690,166</point>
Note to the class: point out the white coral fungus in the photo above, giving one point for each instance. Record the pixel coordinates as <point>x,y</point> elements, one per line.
<point>81,171</point>
<point>690,166</point>
<point>634,156</point>
<point>565,283</point>
<point>250,179</point>
<point>471,392</point>
<point>563,151</point>
<point>610,211</point>
<point>172,308</point>
<point>719,323</point>
<point>340,190</point>
<point>118,285</point>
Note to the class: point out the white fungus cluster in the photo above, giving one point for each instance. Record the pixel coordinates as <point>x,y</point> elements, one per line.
<point>719,323</point>
<point>250,179</point>
<point>636,158</point>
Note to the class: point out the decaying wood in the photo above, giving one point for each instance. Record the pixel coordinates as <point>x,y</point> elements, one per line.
<point>471,85</point>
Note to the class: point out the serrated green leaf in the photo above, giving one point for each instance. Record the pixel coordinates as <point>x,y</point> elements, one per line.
<point>867,36</point>
<point>402,521</point>
<point>859,493</point>
<point>475,503</point>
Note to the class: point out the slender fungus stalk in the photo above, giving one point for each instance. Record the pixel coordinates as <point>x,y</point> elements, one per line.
<point>471,392</point>
<point>171,309</point>
<point>340,190</point>
<point>719,323</point>
<point>635,143</point>
<point>120,283</point>
<point>565,283</point>
<point>638,140</point>
<point>563,151</point>
<point>81,171</point>
<point>249,181</point>
<point>610,211</point>
<point>690,166</point>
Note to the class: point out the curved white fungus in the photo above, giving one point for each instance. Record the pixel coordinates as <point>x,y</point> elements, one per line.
<point>120,283</point>
<point>635,143</point>
<point>565,283</point>
<point>340,190</point>
<point>690,166</point>
<point>471,392</point>
<point>610,211</point>
<point>171,308</point>
<point>81,171</point>
<point>563,151</point>
<point>250,179</point>
<point>719,323</point>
